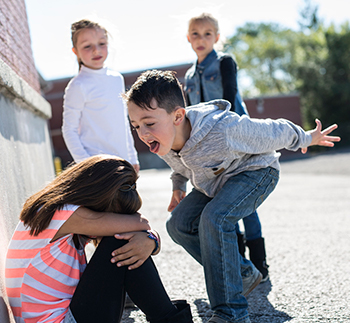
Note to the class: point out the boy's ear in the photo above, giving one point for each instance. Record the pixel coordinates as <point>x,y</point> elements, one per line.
<point>188,38</point>
<point>217,38</point>
<point>180,114</point>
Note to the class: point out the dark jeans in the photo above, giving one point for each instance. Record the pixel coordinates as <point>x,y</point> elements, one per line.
<point>100,294</point>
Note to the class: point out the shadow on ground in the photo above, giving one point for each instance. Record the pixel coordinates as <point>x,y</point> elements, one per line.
<point>261,310</point>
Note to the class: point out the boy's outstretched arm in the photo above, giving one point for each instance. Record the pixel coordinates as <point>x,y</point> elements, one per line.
<point>178,195</point>
<point>320,137</point>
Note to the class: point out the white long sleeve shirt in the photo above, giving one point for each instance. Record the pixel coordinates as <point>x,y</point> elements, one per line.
<point>95,119</point>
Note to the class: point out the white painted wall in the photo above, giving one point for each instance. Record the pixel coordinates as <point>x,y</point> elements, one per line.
<point>25,157</point>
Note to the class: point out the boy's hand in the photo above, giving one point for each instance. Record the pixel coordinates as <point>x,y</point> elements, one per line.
<point>320,137</point>
<point>135,252</point>
<point>178,195</point>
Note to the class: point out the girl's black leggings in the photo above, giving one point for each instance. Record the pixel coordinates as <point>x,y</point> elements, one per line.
<point>100,294</point>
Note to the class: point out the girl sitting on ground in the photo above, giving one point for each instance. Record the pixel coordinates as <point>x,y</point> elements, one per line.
<point>47,275</point>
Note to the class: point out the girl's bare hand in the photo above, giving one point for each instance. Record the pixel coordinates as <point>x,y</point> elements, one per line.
<point>135,252</point>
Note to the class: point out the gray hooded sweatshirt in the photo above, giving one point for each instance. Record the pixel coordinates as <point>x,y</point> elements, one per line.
<point>223,144</point>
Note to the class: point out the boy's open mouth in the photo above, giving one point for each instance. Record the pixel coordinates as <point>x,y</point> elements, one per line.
<point>154,146</point>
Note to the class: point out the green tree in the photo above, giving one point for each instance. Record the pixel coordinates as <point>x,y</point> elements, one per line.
<point>309,18</point>
<point>324,81</point>
<point>315,61</point>
<point>266,54</point>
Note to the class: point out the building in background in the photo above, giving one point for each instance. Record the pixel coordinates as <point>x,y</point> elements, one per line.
<point>25,142</point>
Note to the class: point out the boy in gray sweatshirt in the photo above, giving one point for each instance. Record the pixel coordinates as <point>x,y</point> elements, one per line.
<point>233,166</point>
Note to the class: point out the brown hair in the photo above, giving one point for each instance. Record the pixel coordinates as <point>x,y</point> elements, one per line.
<point>80,25</point>
<point>101,183</point>
<point>163,86</point>
<point>205,17</point>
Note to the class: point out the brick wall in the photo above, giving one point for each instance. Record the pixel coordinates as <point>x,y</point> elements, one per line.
<point>15,45</point>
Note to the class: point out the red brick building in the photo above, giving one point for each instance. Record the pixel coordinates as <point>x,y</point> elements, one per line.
<point>286,106</point>
<point>15,43</point>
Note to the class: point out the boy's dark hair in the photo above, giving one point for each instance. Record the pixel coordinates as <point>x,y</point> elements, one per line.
<point>163,86</point>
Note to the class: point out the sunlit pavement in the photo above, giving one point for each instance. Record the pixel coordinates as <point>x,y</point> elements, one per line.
<point>306,225</point>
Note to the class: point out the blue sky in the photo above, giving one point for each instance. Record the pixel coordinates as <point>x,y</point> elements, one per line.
<point>150,33</point>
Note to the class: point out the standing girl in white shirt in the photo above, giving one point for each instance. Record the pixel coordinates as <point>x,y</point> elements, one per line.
<point>95,118</point>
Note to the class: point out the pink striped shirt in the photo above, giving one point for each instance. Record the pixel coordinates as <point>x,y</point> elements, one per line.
<point>40,275</point>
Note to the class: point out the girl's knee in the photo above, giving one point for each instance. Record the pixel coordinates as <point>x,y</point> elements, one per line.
<point>111,243</point>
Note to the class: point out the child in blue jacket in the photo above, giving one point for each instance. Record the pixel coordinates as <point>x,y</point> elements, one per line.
<point>214,76</point>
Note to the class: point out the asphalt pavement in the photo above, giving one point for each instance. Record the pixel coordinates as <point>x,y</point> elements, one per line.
<point>306,225</point>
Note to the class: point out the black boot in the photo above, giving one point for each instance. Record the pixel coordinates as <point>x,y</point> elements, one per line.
<point>183,315</point>
<point>241,244</point>
<point>257,256</point>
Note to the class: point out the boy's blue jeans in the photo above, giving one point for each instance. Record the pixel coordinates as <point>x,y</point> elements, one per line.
<point>205,228</point>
